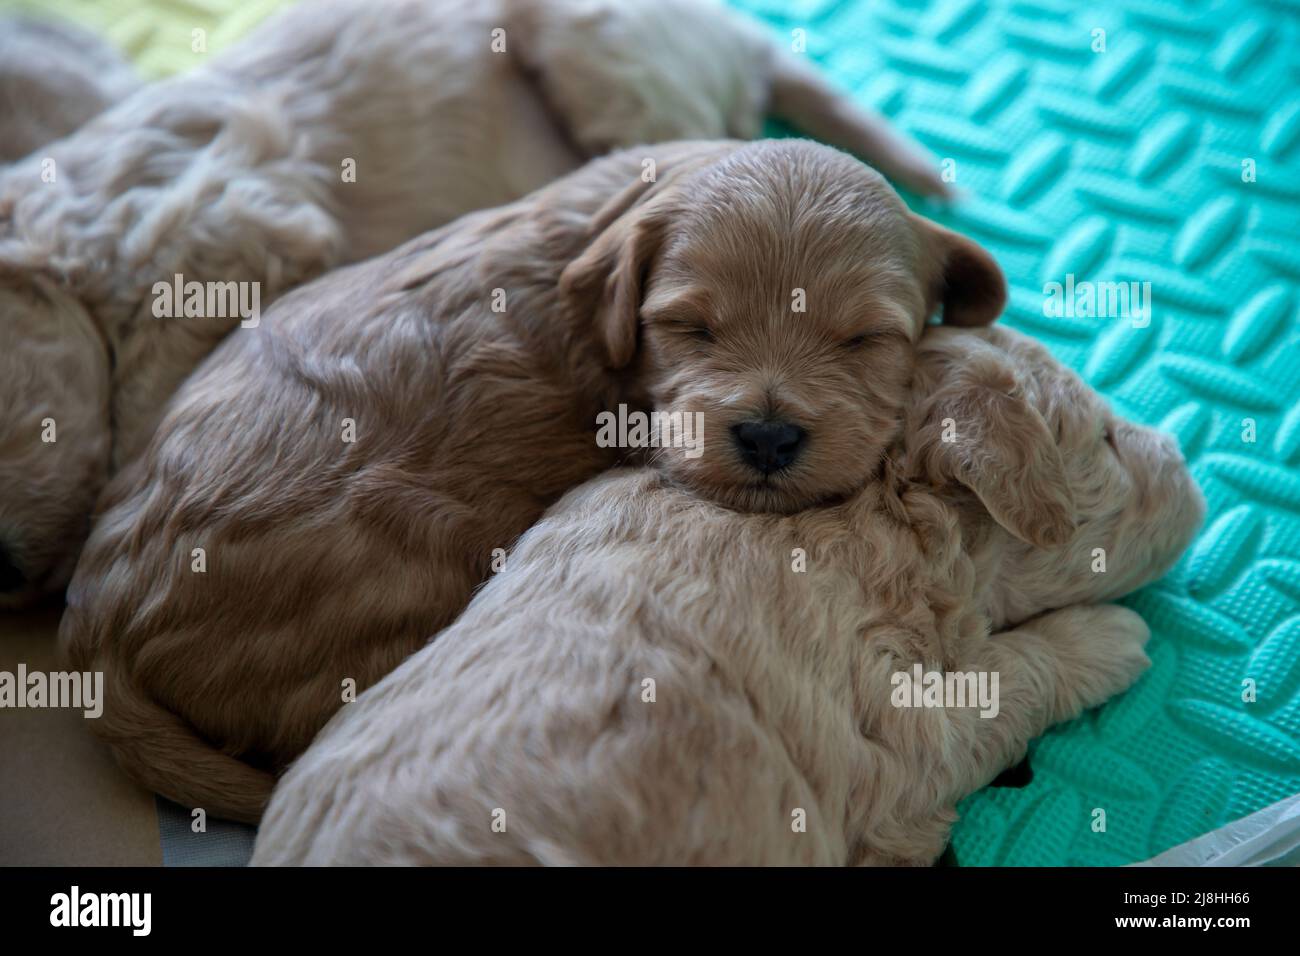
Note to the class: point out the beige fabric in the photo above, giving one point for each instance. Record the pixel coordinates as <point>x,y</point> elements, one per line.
<point>64,802</point>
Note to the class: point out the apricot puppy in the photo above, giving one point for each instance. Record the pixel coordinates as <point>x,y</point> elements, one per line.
<point>334,132</point>
<point>327,490</point>
<point>655,679</point>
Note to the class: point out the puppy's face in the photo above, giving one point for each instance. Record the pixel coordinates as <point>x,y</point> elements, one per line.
<point>1097,506</point>
<point>778,295</point>
<point>54,434</point>
<point>1136,506</point>
<point>783,311</point>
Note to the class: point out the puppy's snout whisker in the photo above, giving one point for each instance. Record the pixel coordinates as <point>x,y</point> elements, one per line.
<point>657,456</point>
<point>768,446</point>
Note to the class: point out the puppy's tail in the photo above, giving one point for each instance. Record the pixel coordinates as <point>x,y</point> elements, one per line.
<point>802,98</point>
<point>164,753</point>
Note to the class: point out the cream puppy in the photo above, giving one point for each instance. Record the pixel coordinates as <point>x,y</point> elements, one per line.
<point>328,489</point>
<point>54,76</point>
<point>655,679</point>
<point>338,130</point>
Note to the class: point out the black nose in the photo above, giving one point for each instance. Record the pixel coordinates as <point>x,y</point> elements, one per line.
<point>768,446</point>
<point>11,579</point>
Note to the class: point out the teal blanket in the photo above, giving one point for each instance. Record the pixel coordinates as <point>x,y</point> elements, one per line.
<point>1141,142</point>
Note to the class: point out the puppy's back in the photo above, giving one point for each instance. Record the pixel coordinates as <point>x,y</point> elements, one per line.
<point>647,670</point>
<point>327,490</point>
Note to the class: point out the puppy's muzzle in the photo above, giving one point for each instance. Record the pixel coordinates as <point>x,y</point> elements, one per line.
<point>768,446</point>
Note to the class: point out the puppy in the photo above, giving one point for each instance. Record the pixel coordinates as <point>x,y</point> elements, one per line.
<point>339,130</point>
<point>54,76</point>
<point>328,489</point>
<point>655,679</point>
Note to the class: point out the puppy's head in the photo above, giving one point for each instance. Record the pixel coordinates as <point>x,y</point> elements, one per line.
<point>54,432</point>
<point>775,294</point>
<point>1095,506</point>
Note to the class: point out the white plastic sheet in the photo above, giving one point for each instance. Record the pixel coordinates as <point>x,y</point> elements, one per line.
<point>1270,837</point>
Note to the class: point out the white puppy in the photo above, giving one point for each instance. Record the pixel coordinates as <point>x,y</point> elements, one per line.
<point>337,131</point>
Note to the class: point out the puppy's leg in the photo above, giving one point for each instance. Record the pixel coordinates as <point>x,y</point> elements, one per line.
<point>1052,669</point>
<point>618,73</point>
<point>801,97</point>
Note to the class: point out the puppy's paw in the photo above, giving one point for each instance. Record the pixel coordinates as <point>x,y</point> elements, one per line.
<point>1101,647</point>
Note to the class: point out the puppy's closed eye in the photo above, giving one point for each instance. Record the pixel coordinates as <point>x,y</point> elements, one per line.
<point>701,333</point>
<point>682,323</point>
<point>869,339</point>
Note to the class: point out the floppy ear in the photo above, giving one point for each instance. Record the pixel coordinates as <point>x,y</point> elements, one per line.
<point>606,279</point>
<point>962,275</point>
<point>977,428</point>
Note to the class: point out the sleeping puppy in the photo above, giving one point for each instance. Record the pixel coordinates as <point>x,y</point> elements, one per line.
<point>656,679</point>
<point>339,130</point>
<point>54,76</point>
<point>328,489</point>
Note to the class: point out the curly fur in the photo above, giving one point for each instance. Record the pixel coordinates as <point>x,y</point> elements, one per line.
<point>771,686</point>
<point>329,561</point>
<point>234,173</point>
